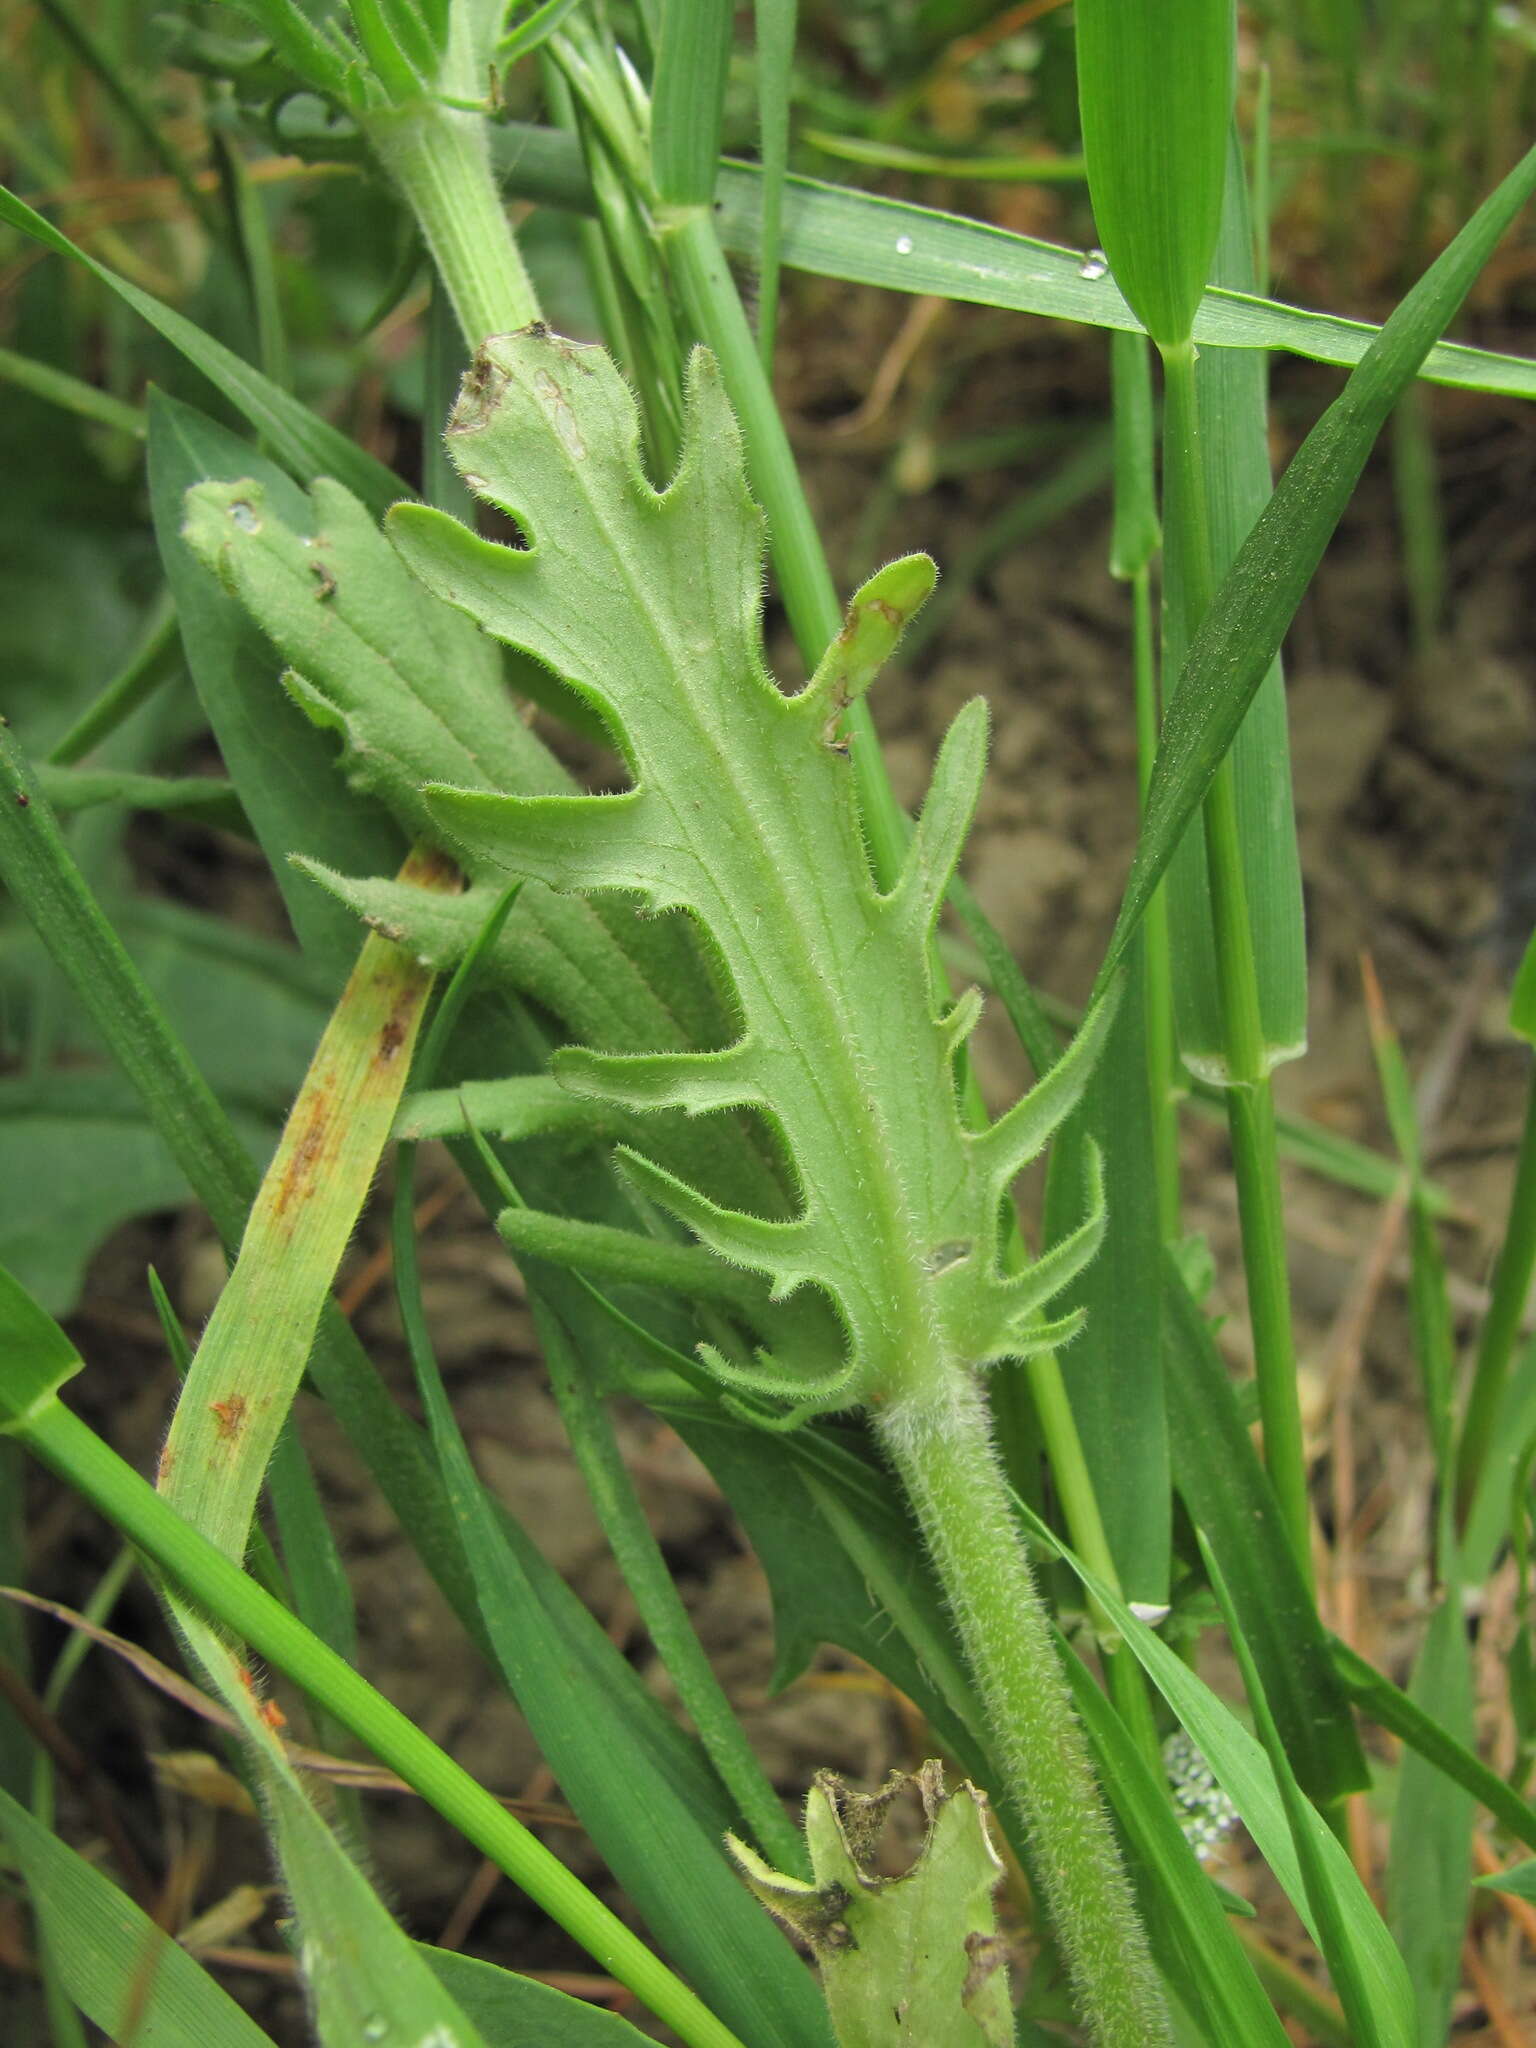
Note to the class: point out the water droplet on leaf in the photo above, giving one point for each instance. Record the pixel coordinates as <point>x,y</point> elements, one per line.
<point>1094,266</point>
<point>904,245</point>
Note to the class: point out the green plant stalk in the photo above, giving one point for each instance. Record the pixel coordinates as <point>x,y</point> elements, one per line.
<point>1157,987</point>
<point>1501,1328</point>
<point>941,1447</point>
<point>151,662</point>
<point>439,157</point>
<point>1250,1097</point>
<point>60,1440</point>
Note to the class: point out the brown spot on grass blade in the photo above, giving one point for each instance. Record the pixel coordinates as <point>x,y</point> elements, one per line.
<point>242,1381</point>
<point>228,1418</point>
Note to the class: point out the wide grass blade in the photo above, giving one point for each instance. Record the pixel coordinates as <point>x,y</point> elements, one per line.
<point>865,238</point>
<point>1256,601</point>
<point>1155,91</point>
<point>1114,1370</point>
<point>688,100</point>
<point>512,2010</point>
<point>1429,1866</point>
<point>1232,399</point>
<point>122,1969</point>
<point>299,438</point>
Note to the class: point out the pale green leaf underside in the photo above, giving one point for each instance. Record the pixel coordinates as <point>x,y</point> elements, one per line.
<point>741,812</point>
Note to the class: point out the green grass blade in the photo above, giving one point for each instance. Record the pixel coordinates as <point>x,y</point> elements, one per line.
<point>123,1971</point>
<point>688,100</point>
<point>72,394</point>
<point>1487,1526</point>
<point>247,1369</point>
<point>511,2010</point>
<point>1511,1279</point>
<point>686,1892</point>
<point>1232,1504</point>
<point>299,438</point>
<point>1429,1866</point>
<point>775,31</point>
<point>206,799</point>
<point>1114,1370</point>
<point>1257,600</point>
<point>1342,1913</point>
<point>865,238</point>
<point>1246,1774</point>
<point>206,1576</point>
<point>1192,1936</point>
<point>1379,1700</point>
<point>153,660</point>
<point>1155,91</point>
<point>1231,390</point>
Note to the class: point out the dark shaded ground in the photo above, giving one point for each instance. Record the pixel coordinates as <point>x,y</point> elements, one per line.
<point>1408,775</point>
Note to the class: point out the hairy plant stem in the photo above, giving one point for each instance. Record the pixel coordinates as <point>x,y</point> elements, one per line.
<point>439,157</point>
<point>940,1444</point>
<point>1249,1096</point>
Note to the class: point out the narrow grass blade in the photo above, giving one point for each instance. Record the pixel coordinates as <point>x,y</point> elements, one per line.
<point>154,660</point>
<point>1511,1286</point>
<point>1232,1504</point>
<point>123,1970</point>
<point>72,394</point>
<point>1379,1700</point>
<point>205,799</point>
<point>686,1892</point>
<point>299,438</point>
<point>358,1964</point>
<point>1155,89</point>
<point>1257,600</point>
<point>1346,1921</point>
<point>775,31</point>
<point>864,238</point>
